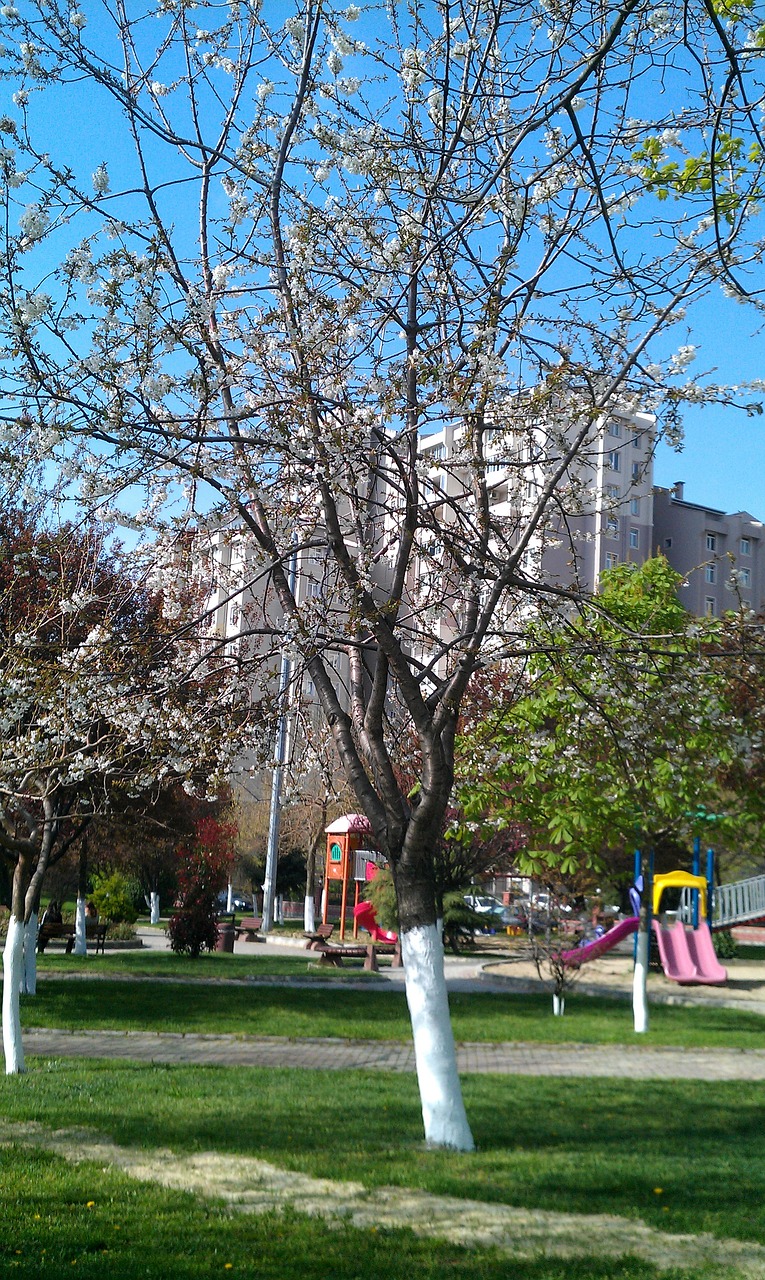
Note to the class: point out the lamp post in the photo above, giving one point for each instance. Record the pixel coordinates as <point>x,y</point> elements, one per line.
<point>280,755</point>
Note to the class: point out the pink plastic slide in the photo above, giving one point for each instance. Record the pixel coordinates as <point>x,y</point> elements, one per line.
<point>688,955</point>
<point>580,955</point>
<point>365,916</point>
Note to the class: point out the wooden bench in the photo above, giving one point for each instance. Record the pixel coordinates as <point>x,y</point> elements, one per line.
<point>94,932</point>
<point>334,955</point>
<point>249,926</point>
<point>317,940</point>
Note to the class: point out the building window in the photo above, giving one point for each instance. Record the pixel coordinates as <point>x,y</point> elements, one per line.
<point>668,543</point>
<point>745,577</point>
<point>614,428</point>
<point>438,451</point>
<point>634,506</point>
<point>614,460</point>
<point>636,441</point>
<point>612,526</point>
<point>711,542</point>
<point>634,537</point>
<point>636,471</point>
<point>710,573</point>
<point>746,547</point>
<point>612,559</point>
<point>612,491</point>
<point>710,607</point>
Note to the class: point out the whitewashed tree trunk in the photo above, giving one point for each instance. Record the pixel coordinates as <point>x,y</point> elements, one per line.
<point>154,908</point>
<point>230,894</point>
<point>309,914</point>
<point>29,971</point>
<point>80,939</point>
<point>640,983</point>
<point>559,1005</point>
<point>13,963</point>
<point>443,1111</point>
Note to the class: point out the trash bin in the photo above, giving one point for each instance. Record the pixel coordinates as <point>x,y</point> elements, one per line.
<point>226,936</point>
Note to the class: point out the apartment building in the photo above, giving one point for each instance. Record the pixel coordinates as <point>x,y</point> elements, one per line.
<point>720,556</point>
<point>602,513</point>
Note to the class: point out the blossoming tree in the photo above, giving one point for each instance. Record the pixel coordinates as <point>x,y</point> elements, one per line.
<point>97,704</point>
<point>306,234</point>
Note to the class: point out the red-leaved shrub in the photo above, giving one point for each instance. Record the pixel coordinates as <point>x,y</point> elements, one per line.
<point>202,875</point>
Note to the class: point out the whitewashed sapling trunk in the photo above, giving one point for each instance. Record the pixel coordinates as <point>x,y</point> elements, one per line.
<point>309,914</point>
<point>640,982</point>
<point>13,963</point>
<point>80,934</point>
<point>154,907</point>
<point>29,973</point>
<point>443,1111</point>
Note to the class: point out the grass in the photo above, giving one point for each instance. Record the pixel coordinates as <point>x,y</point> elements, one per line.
<point>209,1008</point>
<point>165,964</point>
<point>684,1157</point>
<point>83,1221</point>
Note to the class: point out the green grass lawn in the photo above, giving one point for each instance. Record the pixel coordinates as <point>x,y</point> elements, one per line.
<point>684,1157</point>
<point>371,1014</point>
<point>165,964</point>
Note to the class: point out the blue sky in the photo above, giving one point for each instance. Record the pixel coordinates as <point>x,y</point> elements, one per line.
<point>723,458</point>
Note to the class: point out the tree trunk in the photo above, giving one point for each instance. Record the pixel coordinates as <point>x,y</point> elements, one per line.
<point>309,906</point>
<point>80,936</point>
<point>13,964</point>
<point>443,1111</point>
<point>29,972</point>
<point>642,950</point>
<point>640,979</point>
<point>154,907</point>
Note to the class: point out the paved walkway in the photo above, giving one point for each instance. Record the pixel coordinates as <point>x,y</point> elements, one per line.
<point>634,1061</point>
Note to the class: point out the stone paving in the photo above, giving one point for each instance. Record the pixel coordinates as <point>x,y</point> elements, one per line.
<point>633,1061</point>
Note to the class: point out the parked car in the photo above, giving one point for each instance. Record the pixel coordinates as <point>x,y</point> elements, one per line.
<point>239,902</point>
<point>497,915</point>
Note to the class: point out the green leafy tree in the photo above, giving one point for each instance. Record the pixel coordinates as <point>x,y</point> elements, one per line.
<point>112,897</point>
<point>622,735</point>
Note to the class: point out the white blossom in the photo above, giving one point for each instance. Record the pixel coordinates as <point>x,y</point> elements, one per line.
<point>34,221</point>
<point>100,180</point>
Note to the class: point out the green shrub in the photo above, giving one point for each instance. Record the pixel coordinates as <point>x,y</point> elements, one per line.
<point>124,931</point>
<point>112,898</point>
<point>725,946</point>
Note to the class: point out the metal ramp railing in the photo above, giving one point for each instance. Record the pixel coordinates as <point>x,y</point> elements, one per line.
<point>735,903</point>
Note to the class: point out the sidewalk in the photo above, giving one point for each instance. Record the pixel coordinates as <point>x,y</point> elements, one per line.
<point>622,1061</point>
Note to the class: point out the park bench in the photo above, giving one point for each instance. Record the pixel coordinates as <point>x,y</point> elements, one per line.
<point>317,940</point>
<point>334,955</point>
<point>249,926</point>
<point>94,932</point>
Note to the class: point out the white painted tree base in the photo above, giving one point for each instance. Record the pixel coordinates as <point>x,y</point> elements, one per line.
<point>443,1111</point>
<point>153,908</point>
<point>559,1005</point>
<point>29,975</point>
<point>13,963</point>
<point>309,914</point>
<point>80,938</point>
<point>640,984</point>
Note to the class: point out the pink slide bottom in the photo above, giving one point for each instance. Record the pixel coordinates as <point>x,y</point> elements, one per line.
<point>365,916</point>
<point>688,955</point>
